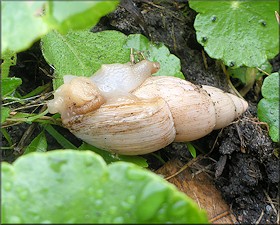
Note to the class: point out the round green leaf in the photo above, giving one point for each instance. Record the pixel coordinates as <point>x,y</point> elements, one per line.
<point>238,32</point>
<point>270,87</point>
<point>77,187</point>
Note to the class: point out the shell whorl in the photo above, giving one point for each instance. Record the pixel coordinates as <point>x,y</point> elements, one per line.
<point>196,111</point>
<point>227,106</point>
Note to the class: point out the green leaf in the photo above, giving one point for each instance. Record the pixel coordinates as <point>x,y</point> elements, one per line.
<point>170,65</point>
<point>27,117</point>
<point>24,22</point>
<point>268,107</point>
<point>266,67</point>
<point>36,116</point>
<point>191,149</point>
<point>240,73</point>
<point>7,137</point>
<point>270,87</point>
<point>21,24</point>
<point>78,187</point>
<point>65,143</point>
<point>9,85</point>
<point>36,91</point>
<point>79,14</point>
<point>9,59</point>
<point>5,112</point>
<point>268,111</point>
<point>82,52</point>
<point>38,144</point>
<point>237,32</point>
<point>111,157</point>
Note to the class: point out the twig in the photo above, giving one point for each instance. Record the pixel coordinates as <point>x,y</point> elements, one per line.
<point>215,142</point>
<point>184,167</point>
<point>29,106</point>
<point>266,73</point>
<point>27,134</point>
<point>219,216</point>
<point>203,169</point>
<point>204,59</point>
<point>272,205</point>
<point>229,81</point>
<point>242,143</point>
<point>260,218</point>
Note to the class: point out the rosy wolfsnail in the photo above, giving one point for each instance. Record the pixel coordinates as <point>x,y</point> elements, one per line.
<point>123,109</point>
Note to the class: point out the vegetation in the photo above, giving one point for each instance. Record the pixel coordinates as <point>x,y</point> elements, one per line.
<point>80,174</point>
<point>78,187</point>
<point>77,172</point>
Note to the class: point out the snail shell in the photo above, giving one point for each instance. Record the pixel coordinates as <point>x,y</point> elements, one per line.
<point>123,109</point>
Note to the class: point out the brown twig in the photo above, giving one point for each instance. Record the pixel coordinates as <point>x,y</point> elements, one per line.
<point>219,216</point>
<point>184,167</point>
<point>229,81</point>
<point>204,59</point>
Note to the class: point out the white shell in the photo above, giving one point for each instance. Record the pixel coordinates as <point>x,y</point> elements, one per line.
<point>191,107</point>
<point>123,109</point>
<point>130,128</point>
<point>227,106</point>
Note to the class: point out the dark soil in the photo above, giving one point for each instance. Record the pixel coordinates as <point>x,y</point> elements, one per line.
<point>247,168</point>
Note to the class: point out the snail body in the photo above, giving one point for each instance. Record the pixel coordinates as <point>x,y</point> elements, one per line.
<point>123,109</point>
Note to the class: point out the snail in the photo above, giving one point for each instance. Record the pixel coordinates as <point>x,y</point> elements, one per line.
<point>122,108</point>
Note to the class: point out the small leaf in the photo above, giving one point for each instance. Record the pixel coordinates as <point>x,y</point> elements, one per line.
<point>268,111</point>
<point>237,32</point>
<point>9,85</point>
<point>77,187</point>
<point>9,59</point>
<point>5,112</point>
<point>82,53</point>
<point>270,87</point>
<point>170,65</point>
<point>38,144</point>
<point>111,157</point>
<point>191,149</point>
<point>268,107</point>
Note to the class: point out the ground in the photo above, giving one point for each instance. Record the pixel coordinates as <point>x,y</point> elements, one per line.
<point>247,168</point>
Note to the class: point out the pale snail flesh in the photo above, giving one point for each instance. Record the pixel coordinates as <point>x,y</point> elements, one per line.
<point>122,108</point>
